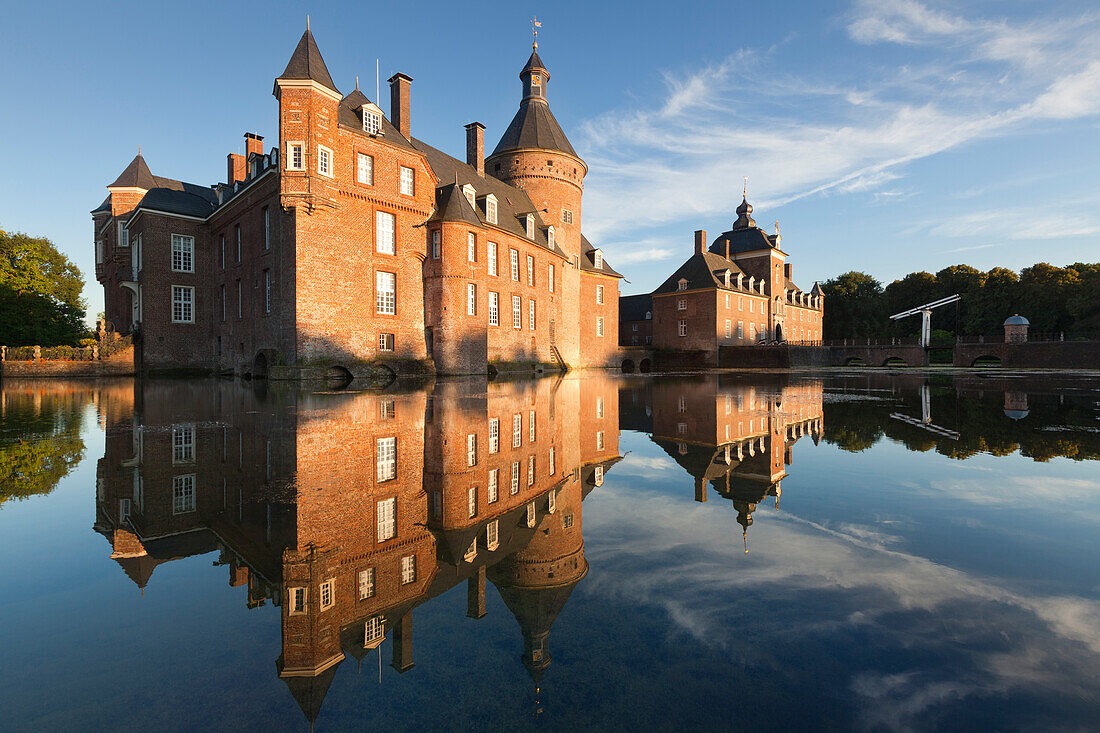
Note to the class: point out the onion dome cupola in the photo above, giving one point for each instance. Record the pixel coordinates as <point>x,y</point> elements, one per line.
<point>744,215</point>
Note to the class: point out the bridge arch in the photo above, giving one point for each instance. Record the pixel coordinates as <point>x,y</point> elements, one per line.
<point>986,360</point>
<point>645,366</point>
<point>628,366</point>
<point>895,361</point>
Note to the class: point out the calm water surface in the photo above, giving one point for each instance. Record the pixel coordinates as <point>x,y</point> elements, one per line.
<point>860,551</point>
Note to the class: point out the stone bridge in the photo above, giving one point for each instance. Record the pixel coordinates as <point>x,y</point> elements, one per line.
<point>911,355</point>
<point>1030,354</point>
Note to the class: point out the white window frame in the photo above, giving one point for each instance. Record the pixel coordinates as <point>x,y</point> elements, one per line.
<point>551,501</point>
<point>550,236</point>
<point>183,444</point>
<point>517,312</point>
<point>599,440</point>
<point>471,449</point>
<point>372,122</point>
<point>550,276</point>
<point>598,260</point>
<point>385,519</point>
<point>530,515</point>
<point>566,216</point>
<point>599,295</point>
<point>293,147</point>
<point>183,494</point>
<point>599,326</point>
<point>364,169</point>
<point>385,341</point>
<point>408,181</point>
<point>491,209</point>
<point>531,270</point>
<point>494,435</point>
<point>599,408</point>
<point>471,299</point>
<point>530,225</point>
<point>471,194</point>
<point>493,491</point>
<point>681,305</point>
<point>267,291</point>
<point>531,314</point>
<point>437,243</point>
<point>471,502</point>
<point>183,253</point>
<point>531,423</point>
<point>297,598</point>
<point>494,309</point>
<point>325,161</point>
<point>492,535</point>
<point>385,452</point>
<point>682,328</point>
<point>123,235</point>
<point>408,569</point>
<point>374,632</point>
<point>267,228</point>
<point>183,304</point>
<point>366,584</point>
<point>729,328</point>
<point>471,247</point>
<point>517,430</point>
<point>513,256</point>
<point>531,470</point>
<point>514,488</point>
<point>327,594</point>
<point>492,258</point>
<point>385,232</point>
<point>385,300</point>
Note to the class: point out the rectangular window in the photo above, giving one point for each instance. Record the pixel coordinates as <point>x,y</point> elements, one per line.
<point>123,510</point>
<point>491,210</point>
<point>599,407</point>
<point>328,594</point>
<point>599,440</point>
<point>267,291</point>
<point>364,169</point>
<point>437,241</point>
<point>530,470</point>
<point>494,309</point>
<point>599,326</point>
<point>183,444</point>
<point>551,461</point>
<point>531,426</point>
<point>515,265</point>
<point>223,303</point>
<point>566,216</point>
<point>240,300</point>
<point>297,600</point>
<point>237,230</point>
<point>408,179</point>
<point>727,298</point>
<point>517,312</point>
<point>515,477</point>
<point>183,253</point>
<point>471,247</point>
<point>324,161</point>
<point>267,228</point>
<point>374,631</point>
<point>493,485</point>
<point>221,259</point>
<point>471,449</point>
<point>567,520</point>
<point>183,494</point>
<point>530,226</point>
<point>740,329</point>
<point>552,501</point>
<point>494,435</point>
<point>385,519</point>
<point>492,258</point>
<point>386,409</point>
<point>752,306</point>
<point>517,430</point>
<point>550,277</point>
<point>408,569</point>
<point>597,476</point>
<point>294,161</point>
<point>471,299</point>
<point>531,314</point>
<point>366,583</point>
<point>384,232</point>
<point>183,304</point>
<point>682,327</point>
<point>385,342</point>
<point>123,235</point>
<point>386,292</point>
<point>681,305</point>
<point>492,536</point>
<point>386,463</point>
<point>729,329</point>
<point>530,270</point>
<point>599,294</point>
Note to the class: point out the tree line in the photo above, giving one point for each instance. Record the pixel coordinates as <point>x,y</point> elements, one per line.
<point>1054,299</point>
<point>40,293</point>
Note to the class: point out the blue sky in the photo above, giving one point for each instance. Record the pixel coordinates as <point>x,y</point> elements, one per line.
<point>886,136</point>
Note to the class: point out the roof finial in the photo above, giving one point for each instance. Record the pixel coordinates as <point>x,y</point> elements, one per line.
<point>777,227</point>
<point>535,25</point>
<point>139,148</point>
<point>356,82</point>
<point>307,21</point>
<point>745,190</point>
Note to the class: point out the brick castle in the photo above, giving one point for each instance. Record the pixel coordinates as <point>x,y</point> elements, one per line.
<point>353,243</point>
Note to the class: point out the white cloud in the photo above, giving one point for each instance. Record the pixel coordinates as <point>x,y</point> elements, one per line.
<point>625,256</point>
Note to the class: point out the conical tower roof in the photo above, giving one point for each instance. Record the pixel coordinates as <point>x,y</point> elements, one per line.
<point>534,125</point>
<point>306,63</point>
<point>309,692</point>
<point>136,175</point>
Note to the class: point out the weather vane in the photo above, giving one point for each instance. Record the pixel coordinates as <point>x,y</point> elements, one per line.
<point>535,25</point>
<point>745,190</point>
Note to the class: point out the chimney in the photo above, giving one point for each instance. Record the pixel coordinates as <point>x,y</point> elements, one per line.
<point>475,146</point>
<point>402,644</point>
<point>787,270</point>
<point>700,241</point>
<point>234,168</point>
<point>475,594</point>
<point>253,143</point>
<point>399,102</point>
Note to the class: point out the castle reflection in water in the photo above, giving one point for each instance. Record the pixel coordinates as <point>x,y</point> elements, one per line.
<point>347,510</point>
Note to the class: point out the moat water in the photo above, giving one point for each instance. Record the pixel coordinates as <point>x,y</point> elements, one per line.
<point>864,551</point>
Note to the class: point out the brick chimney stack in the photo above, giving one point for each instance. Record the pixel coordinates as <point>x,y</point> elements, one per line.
<point>234,168</point>
<point>253,143</point>
<point>700,241</point>
<point>475,146</point>
<point>400,84</point>
<point>787,270</point>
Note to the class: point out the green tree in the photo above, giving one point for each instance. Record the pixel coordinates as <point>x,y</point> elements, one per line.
<point>1044,296</point>
<point>853,306</point>
<point>40,293</point>
<point>916,288</point>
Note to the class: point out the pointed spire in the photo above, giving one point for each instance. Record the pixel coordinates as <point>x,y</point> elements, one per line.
<point>306,62</point>
<point>307,21</point>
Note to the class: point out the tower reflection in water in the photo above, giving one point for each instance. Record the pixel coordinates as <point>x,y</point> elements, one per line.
<point>349,510</point>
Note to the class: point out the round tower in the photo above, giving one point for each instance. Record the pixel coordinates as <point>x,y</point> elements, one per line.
<point>535,155</point>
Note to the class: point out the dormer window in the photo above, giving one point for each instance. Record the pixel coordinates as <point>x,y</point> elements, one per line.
<point>491,209</point>
<point>530,226</point>
<point>682,284</point>
<point>470,194</point>
<point>550,236</point>
<point>726,277</point>
<point>372,119</point>
<point>598,259</point>
<point>649,315</point>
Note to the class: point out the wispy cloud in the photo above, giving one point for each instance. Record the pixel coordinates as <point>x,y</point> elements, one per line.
<point>847,133</point>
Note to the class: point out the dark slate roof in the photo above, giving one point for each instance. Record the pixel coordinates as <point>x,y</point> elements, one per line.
<point>534,126</point>
<point>634,307</point>
<point>748,239</point>
<point>513,204</point>
<point>105,206</point>
<point>136,175</point>
<point>184,202</point>
<point>700,271</point>
<point>347,116</point>
<point>534,63</point>
<point>588,262</point>
<point>306,63</point>
<point>816,290</point>
<point>309,692</point>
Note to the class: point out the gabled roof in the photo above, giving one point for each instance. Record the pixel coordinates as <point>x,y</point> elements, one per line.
<point>306,63</point>
<point>588,261</point>
<point>347,116</point>
<point>816,290</point>
<point>136,175</point>
<point>534,126</point>
<point>700,271</point>
<point>634,307</point>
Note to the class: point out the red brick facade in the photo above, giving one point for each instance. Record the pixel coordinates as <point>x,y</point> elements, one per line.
<point>347,244</point>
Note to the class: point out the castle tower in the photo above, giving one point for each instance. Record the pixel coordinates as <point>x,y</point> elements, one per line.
<point>535,155</point>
